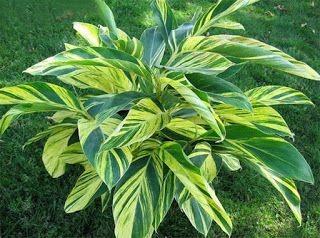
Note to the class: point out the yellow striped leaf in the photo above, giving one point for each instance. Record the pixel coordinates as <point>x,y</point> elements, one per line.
<point>198,217</point>
<point>88,32</point>
<point>73,154</point>
<point>263,118</point>
<point>110,165</point>
<point>277,95</point>
<point>154,46</point>
<point>105,79</point>
<point>250,50</point>
<point>190,176</point>
<point>198,62</point>
<point>88,187</point>
<point>220,90</point>
<point>218,11</point>
<point>138,192</point>
<point>143,120</point>
<point>183,129</point>
<point>286,187</point>
<point>68,61</point>
<point>270,151</point>
<point>202,108</point>
<point>53,148</point>
<point>19,110</point>
<point>42,94</point>
<point>164,17</point>
<point>165,198</point>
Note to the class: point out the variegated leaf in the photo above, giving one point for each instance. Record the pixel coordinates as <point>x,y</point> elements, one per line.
<point>190,176</point>
<point>231,25</point>
<point>165,199</point>
<point>73,154</point>
<point>202,158</point>
<point>154,46</point>
<point>138,192</point>
<point>202,108</point>
<point>81,57</point>
<point>286,187</point>
<point>230,162</point>
<point>19,110</point>
<point>183,129</point>
<point>109,80</point>
<point>270,151</point>
<point>249,50</point>
<point>88,32</point>
<point>88,187</point>
<point>105,106</point>
<point>277,95</point>
<point>218,11</point>
<point>142,121</point>
<point>263,118</point>
<point>198,217</point>
<point>198,62</point>
<point>164,17</point>
<point>53,148</point>
<point>51,130</point>
<point>107,16</point>
<point>42,94</point>
<point>110,165</point>
<point>220,90</point>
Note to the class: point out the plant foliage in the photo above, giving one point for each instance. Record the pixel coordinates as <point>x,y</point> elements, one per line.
<point>152,120</point>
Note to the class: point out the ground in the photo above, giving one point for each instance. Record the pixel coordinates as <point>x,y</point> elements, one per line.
<point>31,203</point>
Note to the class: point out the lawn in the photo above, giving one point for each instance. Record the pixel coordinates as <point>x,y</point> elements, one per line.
<point>31,203</point>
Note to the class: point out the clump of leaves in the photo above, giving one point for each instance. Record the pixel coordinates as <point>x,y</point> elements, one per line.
<point>157,117</point>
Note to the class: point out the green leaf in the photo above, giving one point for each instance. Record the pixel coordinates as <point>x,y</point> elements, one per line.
<point>202,108</point>
<point>42,94</point>
<point>110,165</point>
<point>88,187</point>
<point>88,32</point>
<point>263,118</point>
<point>198,62</point>
<point>277,95</point>
<point>164,17</point>
<point>107,16</point>
<point>137,192</point>
<point>220,90</point>
<point>143,120</point>
<point>272,152</point>
<point>154,46</point>
<point>190,176</point>
<point>105,198</point>
<point>53,148</point>
<point>249,50</point>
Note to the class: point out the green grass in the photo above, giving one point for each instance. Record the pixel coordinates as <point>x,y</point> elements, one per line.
<point>31,203</point>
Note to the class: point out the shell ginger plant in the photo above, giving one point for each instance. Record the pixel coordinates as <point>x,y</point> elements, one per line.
<point>157,117</point>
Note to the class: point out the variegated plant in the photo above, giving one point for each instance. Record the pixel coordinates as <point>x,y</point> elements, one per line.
<point>157,117</point>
